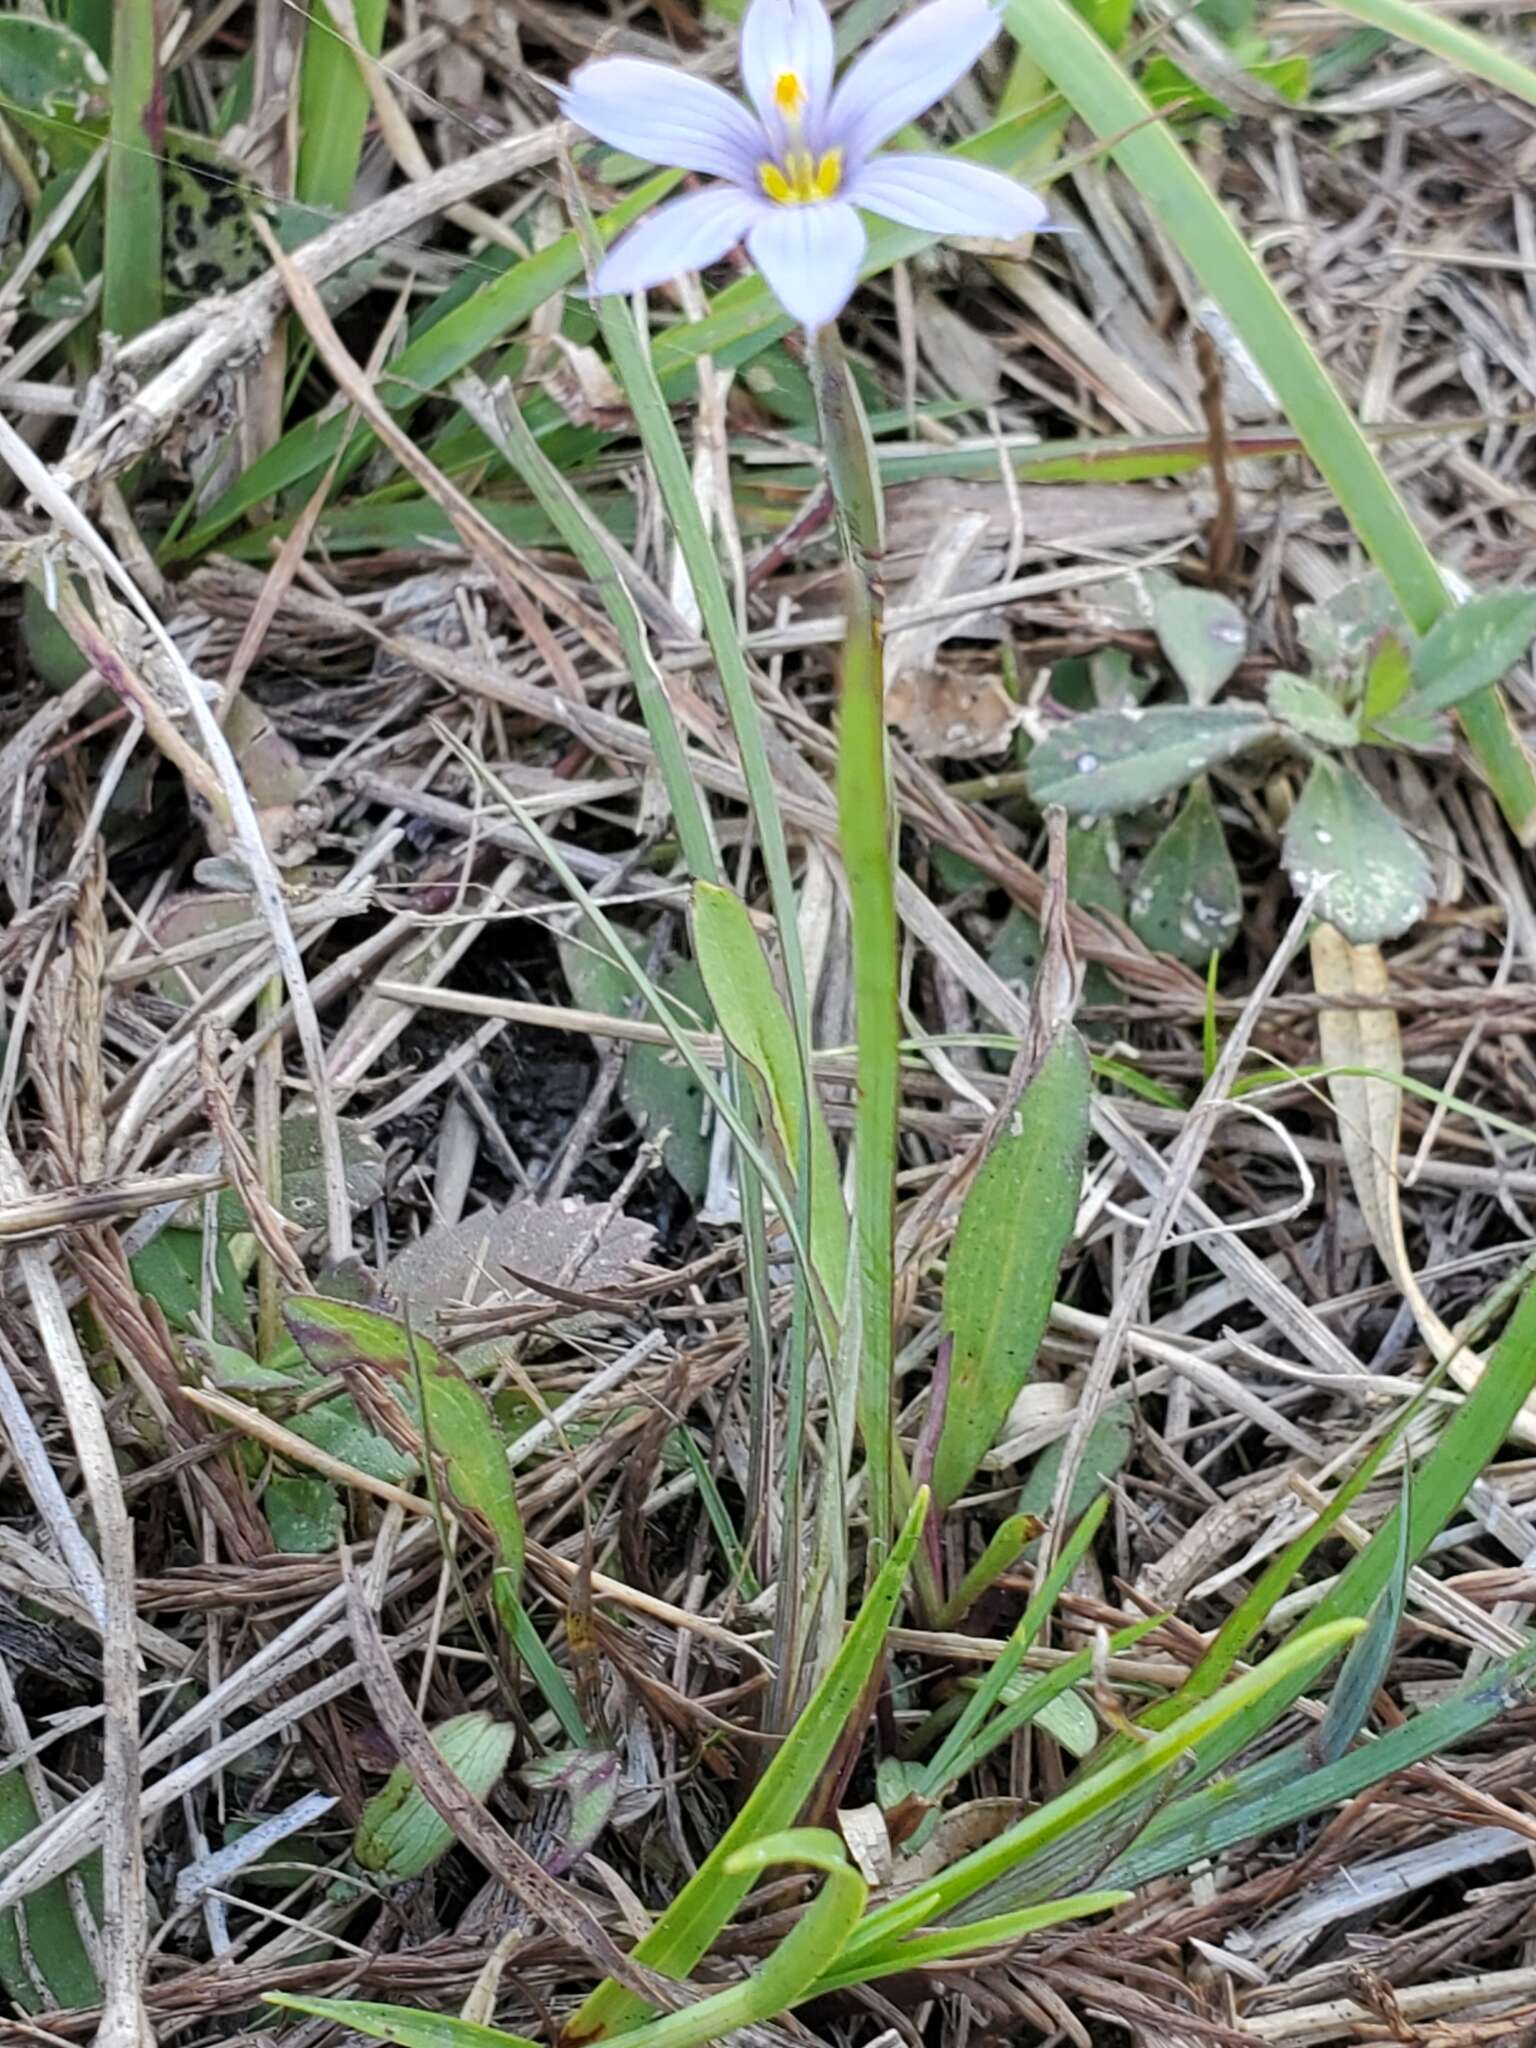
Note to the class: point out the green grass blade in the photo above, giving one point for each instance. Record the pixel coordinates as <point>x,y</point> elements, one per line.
<point>1096,1791</point>
<point>943,1767</point>
<point>1111,103</point>
<point>1462,47</point>
<point>435,355</point>
<point>131,293</point>
<point>505,427</point>
<point>1288,1787</point>
<point>399,2023</point>
<point>333,104</point>
<point>753,1018</point>
<point>704,1905</point>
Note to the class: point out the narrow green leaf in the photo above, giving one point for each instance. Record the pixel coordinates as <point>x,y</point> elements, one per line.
<point>986,1870</point>
<point>401,2024</point>
<point>1471,648</point>
<point>1375,880</point>
<point>698,1912</point>
<point>756,1024</point>
<point>1289,1787</point>
<point>1365,1667</point>
<point>1123,760</point>
<point>131,276</point>
<point>334,103</point>
<point>1462,48</point>
<point>1001,1277</point>
<point>336,1334</point>
<point>52,1941</point>
<point>1188,900</point>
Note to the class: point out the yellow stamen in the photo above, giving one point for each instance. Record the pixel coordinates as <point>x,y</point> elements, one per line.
<point>803,179</point>
<point>788,93</point>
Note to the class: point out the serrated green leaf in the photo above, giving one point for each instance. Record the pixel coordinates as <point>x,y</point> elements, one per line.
<point>1307,708</point>
<point>1204,636</point>
<point>1109,761</point>
<point>1472,647</point>
<point>1188,900</point>
<point>1375,881</point>
<point>1001,1277</point>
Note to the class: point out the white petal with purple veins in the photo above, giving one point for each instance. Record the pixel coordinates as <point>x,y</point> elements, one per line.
<point>907,70</point>
<point>685,234</point>
<point>665,116</point>
<point>788,40</point>
<point>946,197</point>
<point>810,256</point>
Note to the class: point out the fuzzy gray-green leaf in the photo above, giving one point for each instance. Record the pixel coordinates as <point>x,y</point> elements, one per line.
<point>1188,900</point>
<point>1002,1270</point>
<point>1375,880</point>
<point>1122,760</point>
<point>1307,708</point>
<point>1204,636</point>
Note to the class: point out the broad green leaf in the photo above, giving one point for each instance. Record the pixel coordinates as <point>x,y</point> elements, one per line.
<point>1375,881</point>
<point>169,1270</point>
<point>52,1940</point>
<point>1338,633</point>
<point>1108,1447</point>
<point>1307,708</point>
<point>1388,677</point>
<point>1204,636</point>
<point>1472,647</point>
<point>44,65</point>
<point>1001,1277</point>
<point>401,1833</point>
<point>453,1415</point>
<point>303,1514</point>
<point>754,1020</point>
<point>698,1912</point>
<point>590,1780</point>
<point>335,1426</point>
<point>1188,900</point>
<point>1124,760</point>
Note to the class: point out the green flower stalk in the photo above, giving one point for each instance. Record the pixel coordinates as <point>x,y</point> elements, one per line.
<point>866,826</point>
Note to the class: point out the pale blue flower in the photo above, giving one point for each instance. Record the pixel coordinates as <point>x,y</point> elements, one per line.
<point>793,172</point>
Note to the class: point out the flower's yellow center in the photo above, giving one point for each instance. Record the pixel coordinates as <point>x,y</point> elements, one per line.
<point>789,93</point>
<point>803,178</point>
